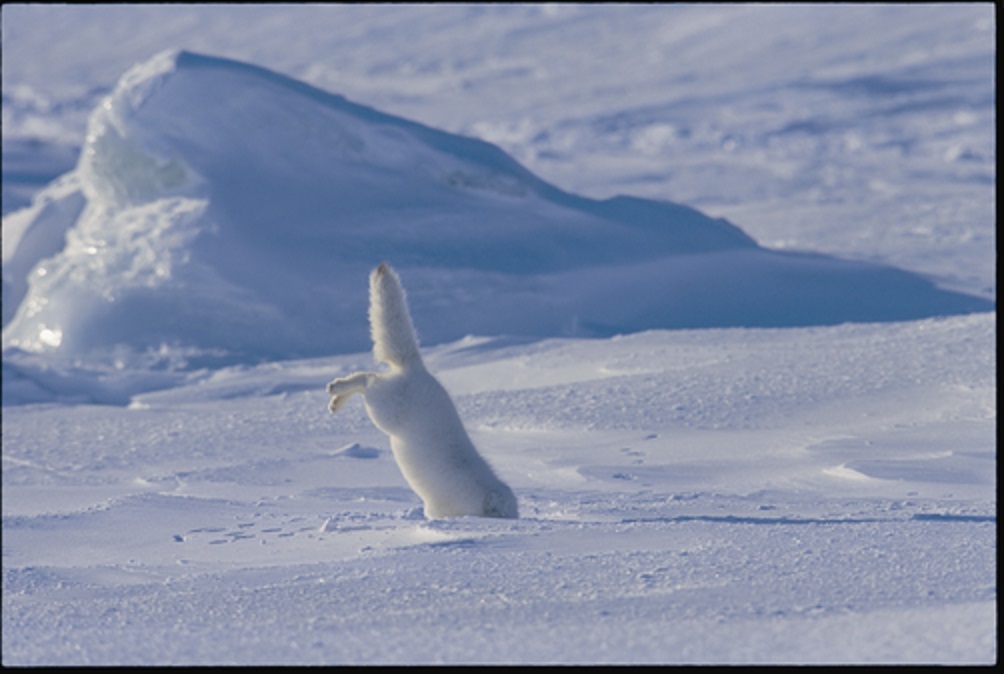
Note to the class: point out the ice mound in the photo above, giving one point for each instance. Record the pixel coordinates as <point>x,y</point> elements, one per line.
<point>231,214</point>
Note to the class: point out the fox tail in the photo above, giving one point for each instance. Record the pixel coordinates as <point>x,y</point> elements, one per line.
<point>394,338</point>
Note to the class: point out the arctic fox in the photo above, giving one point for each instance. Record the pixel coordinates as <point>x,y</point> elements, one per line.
<point>429,442</point>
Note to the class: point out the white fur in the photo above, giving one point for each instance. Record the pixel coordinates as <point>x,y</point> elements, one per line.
<point>407,403</point>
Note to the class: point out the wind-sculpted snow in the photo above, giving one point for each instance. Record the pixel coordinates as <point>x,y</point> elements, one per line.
<point>798,495</point>
<point>810,495</point>
<point>230,214</point>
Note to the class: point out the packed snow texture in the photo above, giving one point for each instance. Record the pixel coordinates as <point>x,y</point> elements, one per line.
<point>768,494</point>
<point>811,495</point>
<point>238,231</point>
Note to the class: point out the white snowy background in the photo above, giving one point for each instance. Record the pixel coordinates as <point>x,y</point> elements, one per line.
<point>810,488</point>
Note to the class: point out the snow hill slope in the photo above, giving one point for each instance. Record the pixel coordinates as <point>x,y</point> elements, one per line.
<point>243,229</point>
<point>821,494</point>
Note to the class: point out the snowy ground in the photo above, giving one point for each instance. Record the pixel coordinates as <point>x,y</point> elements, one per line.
<point>798,495</point>
<point>815,495</point>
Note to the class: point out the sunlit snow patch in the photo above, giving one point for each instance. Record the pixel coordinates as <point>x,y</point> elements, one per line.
<point>242,230</point>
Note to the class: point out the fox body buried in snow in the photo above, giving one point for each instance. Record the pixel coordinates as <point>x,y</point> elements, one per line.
<point>428,439</point>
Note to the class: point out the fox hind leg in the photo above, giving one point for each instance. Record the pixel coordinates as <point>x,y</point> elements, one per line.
<point>344,388</point>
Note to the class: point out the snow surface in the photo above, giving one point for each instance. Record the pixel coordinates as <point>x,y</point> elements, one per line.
<point>238,231</point>
<point>815,494</point>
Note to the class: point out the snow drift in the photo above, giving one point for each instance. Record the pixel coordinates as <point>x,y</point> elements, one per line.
<point>799,495</point>
<point>229,213</point>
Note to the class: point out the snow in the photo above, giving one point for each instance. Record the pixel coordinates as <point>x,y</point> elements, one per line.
<point>205,228</point>
<point>791,461</point>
